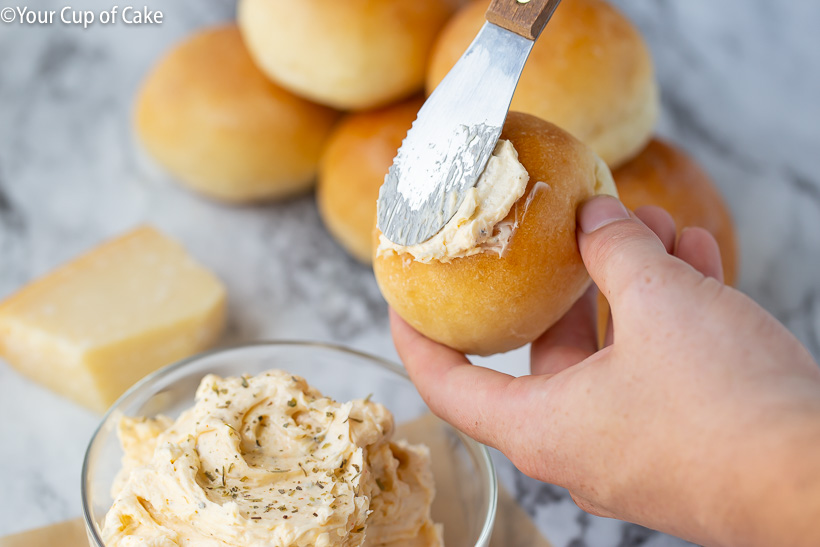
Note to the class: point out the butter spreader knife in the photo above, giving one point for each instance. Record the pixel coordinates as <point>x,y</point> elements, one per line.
<point>457,128</point>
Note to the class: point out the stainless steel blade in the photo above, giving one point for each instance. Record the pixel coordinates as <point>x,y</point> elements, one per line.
<point>452,138</point>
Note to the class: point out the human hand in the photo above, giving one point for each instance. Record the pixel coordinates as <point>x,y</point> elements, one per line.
<point>701,417</point>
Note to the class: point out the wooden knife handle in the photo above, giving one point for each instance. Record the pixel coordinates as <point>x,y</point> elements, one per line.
<point>526,18</point>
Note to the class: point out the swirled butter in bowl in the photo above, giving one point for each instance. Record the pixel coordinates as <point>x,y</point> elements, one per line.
<point>283,444</point>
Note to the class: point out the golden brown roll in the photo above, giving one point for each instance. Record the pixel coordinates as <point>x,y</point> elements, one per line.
<point>488,302</point>
<point>590,73</point>
<point>665,176</point>
<point>358,154</point>
<point>210,117</point>
<point>351,55</point>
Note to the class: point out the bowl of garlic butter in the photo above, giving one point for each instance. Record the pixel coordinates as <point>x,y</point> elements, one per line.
<point>283,444</point>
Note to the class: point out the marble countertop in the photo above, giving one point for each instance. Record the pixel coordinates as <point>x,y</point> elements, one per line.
<point>740,82</point>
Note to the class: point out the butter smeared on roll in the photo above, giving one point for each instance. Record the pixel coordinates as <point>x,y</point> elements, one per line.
<point>475,226</point>
<point>484,296</point>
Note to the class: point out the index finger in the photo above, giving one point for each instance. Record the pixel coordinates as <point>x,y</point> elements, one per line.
<point>478,401</point>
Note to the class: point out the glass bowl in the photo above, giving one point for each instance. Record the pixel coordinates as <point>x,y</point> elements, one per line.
<point>465,478</point>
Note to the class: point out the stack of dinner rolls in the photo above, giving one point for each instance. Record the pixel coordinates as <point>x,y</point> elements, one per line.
<point>242,113</point>
<point>324,92</point>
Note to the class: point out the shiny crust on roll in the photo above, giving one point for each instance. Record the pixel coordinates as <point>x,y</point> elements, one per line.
<point>489,302</point>
<point>358,154</point>
<point>212,119</point>
<point>351,54</point>
<point>665,176</point>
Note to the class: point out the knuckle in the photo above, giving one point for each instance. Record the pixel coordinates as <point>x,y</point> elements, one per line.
<point>529,466</point>
<point>587,506</point>
<point>613,240</point>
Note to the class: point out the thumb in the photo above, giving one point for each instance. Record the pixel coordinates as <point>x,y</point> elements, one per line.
<point>619,250</point>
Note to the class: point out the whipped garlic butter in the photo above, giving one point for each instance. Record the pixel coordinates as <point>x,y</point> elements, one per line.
<point>476,227</point>
<point>268,461</point>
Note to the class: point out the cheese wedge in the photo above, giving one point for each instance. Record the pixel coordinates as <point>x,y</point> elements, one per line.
<point>96,325</point>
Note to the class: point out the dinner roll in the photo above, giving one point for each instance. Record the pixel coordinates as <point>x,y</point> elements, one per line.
<point>210,117</point>
<point>664,175</point>
<point>351,55</point>
<point>488,302</point>
<point>358,154</point>
<point>590,73</point>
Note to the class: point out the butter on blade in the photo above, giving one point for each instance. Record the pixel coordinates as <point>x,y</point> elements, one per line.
<point>478,225</point>
<point>96,325</point>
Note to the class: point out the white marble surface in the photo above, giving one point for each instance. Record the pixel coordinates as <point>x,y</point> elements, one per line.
<point>740,82</point>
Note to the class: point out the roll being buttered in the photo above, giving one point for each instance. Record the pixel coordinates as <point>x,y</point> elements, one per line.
<point>507,266</point>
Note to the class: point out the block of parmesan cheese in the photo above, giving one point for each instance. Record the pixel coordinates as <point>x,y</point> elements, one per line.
<point>96,325</point>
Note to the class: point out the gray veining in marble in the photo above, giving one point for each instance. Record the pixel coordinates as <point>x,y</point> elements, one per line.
<point>740,82</point>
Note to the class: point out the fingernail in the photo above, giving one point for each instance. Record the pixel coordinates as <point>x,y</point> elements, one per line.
<point>600,211</point>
